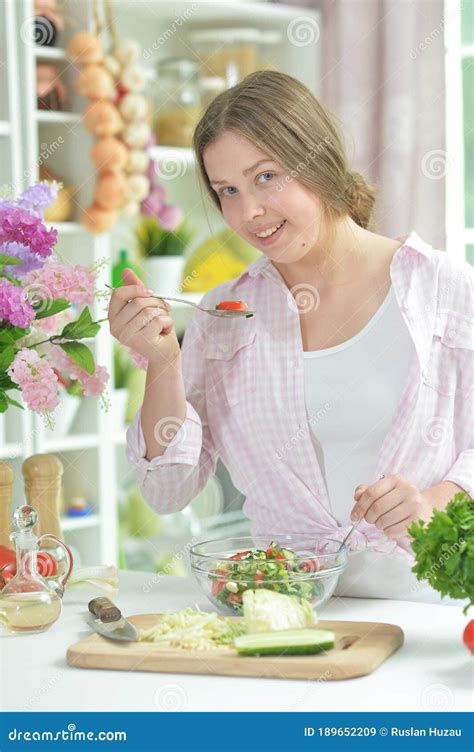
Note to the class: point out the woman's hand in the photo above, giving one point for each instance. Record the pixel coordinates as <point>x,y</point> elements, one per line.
<point>142,322</point>
<point>391,504</point>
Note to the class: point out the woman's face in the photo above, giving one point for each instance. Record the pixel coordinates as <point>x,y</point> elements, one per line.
<point>256,197</point>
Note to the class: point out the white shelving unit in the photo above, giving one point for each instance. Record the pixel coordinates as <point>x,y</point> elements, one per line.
<point>93,455</point>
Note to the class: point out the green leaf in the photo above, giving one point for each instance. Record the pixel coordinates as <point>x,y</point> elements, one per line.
<point>6,382</point>
<point>10,260</point>
<point>444,549</point>
<point>83,327</point>
<point>13,402</point>
<point>54,306</point>
<point>3,402</point>
<point>80,354</point>
<point>12,333</point>
<point>7,354</point>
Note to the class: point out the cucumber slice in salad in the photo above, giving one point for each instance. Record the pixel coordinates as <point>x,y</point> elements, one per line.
<point>285,642</point>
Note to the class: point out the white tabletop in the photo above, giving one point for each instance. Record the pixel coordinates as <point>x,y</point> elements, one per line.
<point>432,671</point>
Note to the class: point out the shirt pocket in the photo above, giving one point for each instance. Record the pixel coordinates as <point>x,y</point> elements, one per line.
<point>231,369</point>
<point>450,363</point>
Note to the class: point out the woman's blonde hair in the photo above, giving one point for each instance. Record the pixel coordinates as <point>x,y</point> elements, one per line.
<point>281,116</point>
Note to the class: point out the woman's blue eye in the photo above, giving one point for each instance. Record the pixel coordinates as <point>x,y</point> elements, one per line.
<point>221,192</point>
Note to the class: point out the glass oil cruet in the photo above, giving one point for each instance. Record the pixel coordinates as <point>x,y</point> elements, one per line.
<point>28,603</point>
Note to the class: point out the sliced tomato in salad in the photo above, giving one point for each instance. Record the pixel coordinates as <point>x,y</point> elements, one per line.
<point>217,587</point>
<point>240,555</point>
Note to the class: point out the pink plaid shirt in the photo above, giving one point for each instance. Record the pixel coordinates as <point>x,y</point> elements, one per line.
<point>244,381</point>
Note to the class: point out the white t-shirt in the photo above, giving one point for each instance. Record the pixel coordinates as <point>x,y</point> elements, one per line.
<point>362,381</point>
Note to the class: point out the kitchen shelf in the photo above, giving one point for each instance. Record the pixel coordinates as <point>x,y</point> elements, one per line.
<point>66,227</point>
<point>179,155</point>
<point>11,450</point>
<point>30,138</point>
<point>50,116</point>
<point>78,523</point>
<point>50,53</point>
<point>71,443</point>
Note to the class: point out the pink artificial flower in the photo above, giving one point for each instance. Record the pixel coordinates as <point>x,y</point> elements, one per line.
<point>93,384</point>
<point>170,217</point>
<point>152,205</point>
<point>54,324</point>
<point>74,283</point>
<point>139,361</point>
<point>19,225</point>
<point>36,379</point>
<point>14,309</point>
<point>36,198</point>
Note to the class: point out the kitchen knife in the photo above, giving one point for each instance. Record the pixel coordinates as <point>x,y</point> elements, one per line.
<point>109,621</point>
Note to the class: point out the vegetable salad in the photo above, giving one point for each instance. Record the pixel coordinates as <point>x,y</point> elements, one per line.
<point>274,568</point>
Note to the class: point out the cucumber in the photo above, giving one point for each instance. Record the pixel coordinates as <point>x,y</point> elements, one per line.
<point>286,642</point>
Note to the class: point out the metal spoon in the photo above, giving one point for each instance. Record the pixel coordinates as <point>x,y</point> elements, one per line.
<point>210,311</point>
<point>354,527</point>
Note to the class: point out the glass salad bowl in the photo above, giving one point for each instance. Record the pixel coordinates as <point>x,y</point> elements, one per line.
<point>292,564</point>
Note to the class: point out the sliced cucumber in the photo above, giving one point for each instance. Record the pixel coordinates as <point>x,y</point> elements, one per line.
<point>286,642</point>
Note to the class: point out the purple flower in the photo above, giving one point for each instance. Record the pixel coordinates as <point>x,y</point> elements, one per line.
<point>21,226</point>
<point>152,205</point>
<point>38,197</point>
<point>31,261</point>
<point>13,307</point>
<point>151,171</point>
<point>170,217</point>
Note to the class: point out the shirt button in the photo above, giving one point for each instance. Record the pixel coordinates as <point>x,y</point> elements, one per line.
<point>225,348</point>
<point>426,379</point>
<point>451,333</point>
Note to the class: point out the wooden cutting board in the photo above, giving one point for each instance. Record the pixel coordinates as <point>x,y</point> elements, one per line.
<point>361,646</point>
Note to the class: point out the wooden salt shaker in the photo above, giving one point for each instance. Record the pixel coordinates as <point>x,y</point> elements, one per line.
<point>6,492</point>
<point>42,477</point>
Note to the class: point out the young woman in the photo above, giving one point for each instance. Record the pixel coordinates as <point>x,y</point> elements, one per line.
<point>357,364</point>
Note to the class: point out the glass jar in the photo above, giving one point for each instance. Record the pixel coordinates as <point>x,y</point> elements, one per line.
<point>29,602</point>
<point>228,53</point>
<point>179,102</point>
<point>210,87</point>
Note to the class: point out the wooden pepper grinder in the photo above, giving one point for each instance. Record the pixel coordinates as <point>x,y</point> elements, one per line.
<point>42,477</point>
<point>6,492</point>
